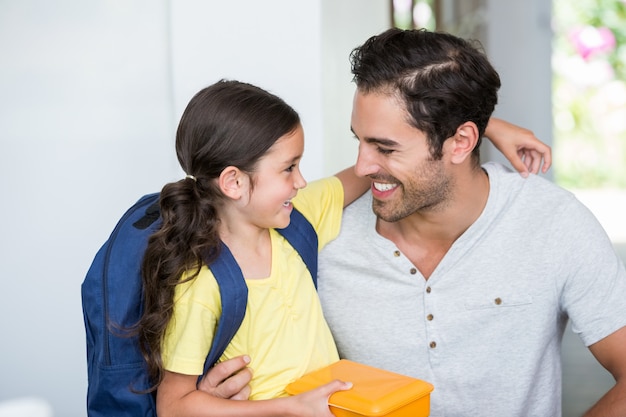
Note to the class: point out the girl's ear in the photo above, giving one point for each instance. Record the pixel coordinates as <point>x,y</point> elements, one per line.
<point>232,182</point>
<point>464,142</point>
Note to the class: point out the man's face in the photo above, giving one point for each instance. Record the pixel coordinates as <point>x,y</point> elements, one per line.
<point>396,157</point>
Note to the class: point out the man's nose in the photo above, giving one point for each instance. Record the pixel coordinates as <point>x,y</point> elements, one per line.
<point>365,162</point>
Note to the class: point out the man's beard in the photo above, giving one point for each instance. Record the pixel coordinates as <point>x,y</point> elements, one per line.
<point>428,190</point>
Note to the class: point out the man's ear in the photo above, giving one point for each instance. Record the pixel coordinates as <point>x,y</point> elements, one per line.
<point>232,182</point>
<point>464,142</point>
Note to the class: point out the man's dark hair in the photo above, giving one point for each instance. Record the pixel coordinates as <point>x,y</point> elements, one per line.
<point>443,80</point>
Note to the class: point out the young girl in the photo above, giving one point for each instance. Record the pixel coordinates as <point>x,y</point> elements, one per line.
<point>241,147</point>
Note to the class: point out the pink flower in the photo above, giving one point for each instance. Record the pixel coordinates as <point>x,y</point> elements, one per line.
<point>590,40</point>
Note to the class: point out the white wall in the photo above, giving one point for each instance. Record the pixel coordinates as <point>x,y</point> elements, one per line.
<point>85,127</point>
<point>519,45</point>
<point>273,44</point>
<point>346,24</point>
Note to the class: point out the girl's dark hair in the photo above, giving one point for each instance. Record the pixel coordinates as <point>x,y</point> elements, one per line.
<point>443,80</point>
<point>229,123</point>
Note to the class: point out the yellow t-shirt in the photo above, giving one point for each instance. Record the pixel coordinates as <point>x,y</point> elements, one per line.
<point>283,330</point>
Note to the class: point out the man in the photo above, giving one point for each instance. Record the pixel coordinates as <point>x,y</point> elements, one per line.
<point>461,275</point>
<point>464,276</point>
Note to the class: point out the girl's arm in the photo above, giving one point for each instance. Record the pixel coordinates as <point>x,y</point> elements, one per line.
<point>177,396</point>
<point>353,186</point>
<point>520,146</point>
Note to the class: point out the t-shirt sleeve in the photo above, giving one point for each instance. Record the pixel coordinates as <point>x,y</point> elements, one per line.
<point>191,330</point>
<point>594,291</point>
<point>321,202</point>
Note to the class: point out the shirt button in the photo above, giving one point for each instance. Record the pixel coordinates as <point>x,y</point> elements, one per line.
<point>498,301</point>
<point>428,290</point>
<point>396,253</point>
<point>429,317</point>
<point>433,345</point>
<point>413,271</point>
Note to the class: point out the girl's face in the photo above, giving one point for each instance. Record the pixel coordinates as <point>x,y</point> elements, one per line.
<point>276,181</point>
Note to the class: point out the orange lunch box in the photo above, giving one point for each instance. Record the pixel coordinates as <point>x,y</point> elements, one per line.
<point>374,393</point>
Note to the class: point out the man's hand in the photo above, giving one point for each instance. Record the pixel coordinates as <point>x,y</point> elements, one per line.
<point>229,379</point>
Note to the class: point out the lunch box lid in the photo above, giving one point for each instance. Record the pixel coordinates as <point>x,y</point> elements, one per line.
<point>374,392</point>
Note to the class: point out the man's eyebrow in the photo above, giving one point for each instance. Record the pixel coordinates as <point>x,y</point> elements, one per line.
<point>388,143</point>
<point>379,141</point>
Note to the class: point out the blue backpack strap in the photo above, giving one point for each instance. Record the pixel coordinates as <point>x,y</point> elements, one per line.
<point>234,296</point>
<point>302,236</point>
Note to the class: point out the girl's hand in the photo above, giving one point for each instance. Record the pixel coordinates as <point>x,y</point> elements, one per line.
<point>525,152</point>
<point>314,403</point>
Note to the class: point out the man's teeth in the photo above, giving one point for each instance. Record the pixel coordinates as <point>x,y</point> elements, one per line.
<point>384,187</point>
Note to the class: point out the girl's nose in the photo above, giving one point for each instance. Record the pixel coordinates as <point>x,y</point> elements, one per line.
<point>300,182</point>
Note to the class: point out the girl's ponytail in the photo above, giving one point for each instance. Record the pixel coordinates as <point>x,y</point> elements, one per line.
<point>189,231</point>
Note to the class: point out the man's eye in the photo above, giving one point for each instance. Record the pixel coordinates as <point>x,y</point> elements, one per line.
<point>384,151</point>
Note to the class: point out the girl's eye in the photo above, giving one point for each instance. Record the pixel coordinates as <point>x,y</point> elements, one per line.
<point>291,168</point>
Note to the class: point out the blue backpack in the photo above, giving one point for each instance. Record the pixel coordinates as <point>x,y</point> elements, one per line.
<point>112,301</point>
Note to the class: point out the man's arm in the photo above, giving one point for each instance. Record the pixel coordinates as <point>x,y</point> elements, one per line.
<point>611,353</point>
<point>353,185</point>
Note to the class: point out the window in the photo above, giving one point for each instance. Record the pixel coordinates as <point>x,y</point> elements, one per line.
<point>413,14</point>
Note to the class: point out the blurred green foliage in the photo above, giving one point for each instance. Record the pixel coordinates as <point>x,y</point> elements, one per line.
<point>589,93</point>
